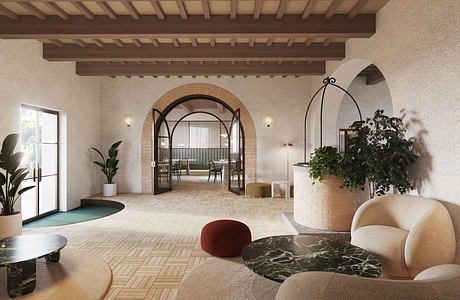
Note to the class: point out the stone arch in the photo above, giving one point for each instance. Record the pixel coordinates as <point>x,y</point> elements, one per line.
<point>344,75</point>
<point>197,89</point>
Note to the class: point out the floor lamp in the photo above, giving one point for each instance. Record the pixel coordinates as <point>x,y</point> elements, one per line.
<point>287,146</point>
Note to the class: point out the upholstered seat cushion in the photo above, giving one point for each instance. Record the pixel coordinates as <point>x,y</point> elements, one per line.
<point>225,238</point>
<point>258,189</point>
<point>388,243</point>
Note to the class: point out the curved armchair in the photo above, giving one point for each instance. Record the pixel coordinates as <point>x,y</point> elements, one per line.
<point>408,233</point>
<point>439,282</point>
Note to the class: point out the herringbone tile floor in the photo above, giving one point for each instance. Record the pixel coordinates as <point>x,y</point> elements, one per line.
<point>155,241</point>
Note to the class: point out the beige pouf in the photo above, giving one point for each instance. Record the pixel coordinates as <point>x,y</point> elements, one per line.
<point>226,279</point>
<point>258,189</point>
<point>78,275</point>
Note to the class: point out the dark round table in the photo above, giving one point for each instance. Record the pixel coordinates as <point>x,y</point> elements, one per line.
<point>19,254</point>
<point>278,257</point>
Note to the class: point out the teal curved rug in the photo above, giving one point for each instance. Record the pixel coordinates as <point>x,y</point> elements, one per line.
<point>81,214</point>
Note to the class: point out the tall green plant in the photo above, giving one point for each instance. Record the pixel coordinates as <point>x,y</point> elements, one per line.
<point>379,153</point>
<point>12,177</point>
<point>109,165</point>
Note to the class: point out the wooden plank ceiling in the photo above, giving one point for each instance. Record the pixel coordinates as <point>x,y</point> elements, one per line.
<point>191,38</point>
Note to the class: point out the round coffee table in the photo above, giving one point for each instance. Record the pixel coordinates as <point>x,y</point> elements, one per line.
<point>19,254</point>
<point>278,257</point>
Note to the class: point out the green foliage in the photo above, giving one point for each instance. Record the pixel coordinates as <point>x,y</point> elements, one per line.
<point>12,177</point>
<point>324,160</point>
<point>379,153</point>
<point>109,166</point>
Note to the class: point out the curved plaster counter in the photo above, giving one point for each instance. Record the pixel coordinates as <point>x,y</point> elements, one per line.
<point>324,205</point>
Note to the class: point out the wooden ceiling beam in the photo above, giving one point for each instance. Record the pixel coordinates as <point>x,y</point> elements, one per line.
<point>158,11</point>
<point>186,106</point>
<point>79,42</point>
<point>331,10</point>
<point>281,8</point>
<point>356,9</point>
<point>182,11</point>
<point>131,9</point>
<point>233,9</point>
<point>8,13</point>
<point>33,10</point>
<point>57,9</point>
<point>118,42</point>
<point>290,26</point>
<point>212,42</point>
<point>137,43</point>
<point>155,42</point>
<point>308,8</point>
<point>220,107</point>
<point>84,10</point>
<point>197,69</point>
<point>98,43</point>
<point>58,43</point>
<point>257,8</point>
<point>221,52</point>
<point>194,42</point>
<point>108,10</point>
<point>206,10</point>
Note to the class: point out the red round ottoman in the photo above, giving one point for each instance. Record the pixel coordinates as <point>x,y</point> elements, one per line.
<point>225,237</point>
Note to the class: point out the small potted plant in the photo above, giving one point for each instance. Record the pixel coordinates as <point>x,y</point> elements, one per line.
<point>11,178</point>
<point>109,167</point>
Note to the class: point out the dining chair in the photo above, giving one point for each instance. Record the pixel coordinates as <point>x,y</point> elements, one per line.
<point>214,170</point>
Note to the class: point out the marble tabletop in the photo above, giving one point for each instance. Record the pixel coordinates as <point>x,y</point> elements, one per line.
<point>278,257</point>
<point>29,246</point>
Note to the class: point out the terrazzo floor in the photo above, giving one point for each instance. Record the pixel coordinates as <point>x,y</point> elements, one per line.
<point>155,241</point>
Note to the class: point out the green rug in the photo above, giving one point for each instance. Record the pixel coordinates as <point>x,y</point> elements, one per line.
<point>77,215</point>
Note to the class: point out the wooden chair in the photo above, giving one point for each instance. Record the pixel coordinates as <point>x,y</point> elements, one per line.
<point>213,170</point>
<point>184,166</point>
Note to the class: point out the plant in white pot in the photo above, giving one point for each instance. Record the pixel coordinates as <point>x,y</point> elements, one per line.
<point>109,167</point>
<point>11,177</point>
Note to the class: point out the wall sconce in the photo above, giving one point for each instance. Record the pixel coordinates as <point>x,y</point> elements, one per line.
<point>129,120</point>
<point>268,120</point>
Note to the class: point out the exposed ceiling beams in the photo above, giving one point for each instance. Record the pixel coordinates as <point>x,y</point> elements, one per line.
<point>373,75</point>
<point>290,26</point>
<point>200,69</point>
<point>191,37</point>
<point>220,52</point>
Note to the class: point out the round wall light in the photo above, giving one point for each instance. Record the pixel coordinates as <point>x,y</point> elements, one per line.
<point>129,120</point>
<point>268,120</point>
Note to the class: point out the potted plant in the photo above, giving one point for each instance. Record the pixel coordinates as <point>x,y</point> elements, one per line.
<point>332,206</point>
<point>11,178</point>
<point>109,168</point>
<point>378,155</point>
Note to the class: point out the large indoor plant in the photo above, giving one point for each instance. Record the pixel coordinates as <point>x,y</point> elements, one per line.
<point>378,155</point>
<point>11,177</point>
<point>109,167</point>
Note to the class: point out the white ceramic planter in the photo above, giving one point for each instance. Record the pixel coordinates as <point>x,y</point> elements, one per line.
<point>10,225</point>
<point>110,190</point>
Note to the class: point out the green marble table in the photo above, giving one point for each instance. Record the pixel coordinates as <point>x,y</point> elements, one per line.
<point>278,257</point>
<point>19,255</point>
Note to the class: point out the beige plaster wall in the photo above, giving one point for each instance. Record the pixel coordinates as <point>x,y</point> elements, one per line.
<point>283,98</point>
<point>25,78</point>
<point>417,49</point>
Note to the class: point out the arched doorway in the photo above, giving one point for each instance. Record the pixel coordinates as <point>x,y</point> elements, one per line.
<point>188,92</point>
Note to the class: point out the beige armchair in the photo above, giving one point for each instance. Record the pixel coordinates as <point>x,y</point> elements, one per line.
<point>408,233</point>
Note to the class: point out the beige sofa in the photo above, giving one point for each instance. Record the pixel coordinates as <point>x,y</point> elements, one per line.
<point>408,233</point>
<point>230,279</point>
<point>439,282</point>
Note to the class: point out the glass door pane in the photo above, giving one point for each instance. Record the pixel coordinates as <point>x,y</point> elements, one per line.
<point>162,176</point>
<point>235,161</point>
<point>40,143</point>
